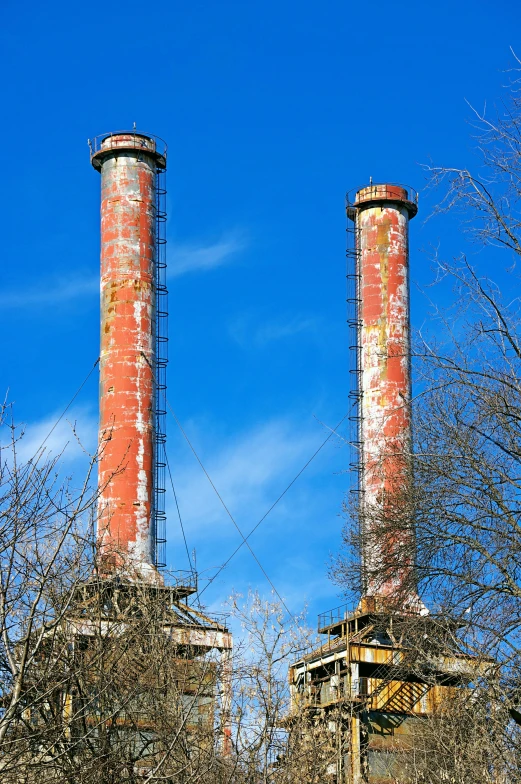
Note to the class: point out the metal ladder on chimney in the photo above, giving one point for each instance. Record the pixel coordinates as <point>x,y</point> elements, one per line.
<point>161,360</point>
<point>355,361</point>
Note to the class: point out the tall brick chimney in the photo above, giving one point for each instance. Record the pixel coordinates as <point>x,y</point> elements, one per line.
<point>128,163</point>
<point>381,215</point>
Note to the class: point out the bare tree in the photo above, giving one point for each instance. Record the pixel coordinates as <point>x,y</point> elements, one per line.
<point>43,526</point>
<point>94,685</point>
<point>274,742</point>
<point>100,677</point>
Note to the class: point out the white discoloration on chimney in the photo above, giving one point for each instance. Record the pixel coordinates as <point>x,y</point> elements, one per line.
<point>384,341</point>
<point>127,358</point>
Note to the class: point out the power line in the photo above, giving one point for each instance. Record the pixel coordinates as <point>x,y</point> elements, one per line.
<point>244,538</point>
<point>218,494</point>
<point>69,404</point>
<point>178,512</point>
<point>225,564</point>
<point>229,513</point>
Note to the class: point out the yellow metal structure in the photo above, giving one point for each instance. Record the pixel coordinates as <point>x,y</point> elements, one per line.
<point>373,682</point>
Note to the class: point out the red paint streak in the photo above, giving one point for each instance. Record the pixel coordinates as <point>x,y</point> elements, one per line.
<point>126,429</point>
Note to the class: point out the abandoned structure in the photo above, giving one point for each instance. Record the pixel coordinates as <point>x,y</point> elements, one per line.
<point>128,582</point>
<point>367,682</point>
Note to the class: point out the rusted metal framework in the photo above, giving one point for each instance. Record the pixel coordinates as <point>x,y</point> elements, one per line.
<point>377,676</point>
<point>133,666</point>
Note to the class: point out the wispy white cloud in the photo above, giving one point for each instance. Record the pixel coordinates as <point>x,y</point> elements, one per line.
<point>246,334</point>
<point>51,292</point>
<point>182,259</point>
<point>248,472</point>
<point>196,257</point>
<point>280,329</point>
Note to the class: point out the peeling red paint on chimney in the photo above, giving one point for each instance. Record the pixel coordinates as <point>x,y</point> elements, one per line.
<point>127,163</point>
<point>382,214</point>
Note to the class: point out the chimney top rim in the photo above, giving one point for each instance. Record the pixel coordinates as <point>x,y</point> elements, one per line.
<point>379,192</point>
<point>106,143</point>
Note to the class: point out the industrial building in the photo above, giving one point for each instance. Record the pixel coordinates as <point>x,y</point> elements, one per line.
<point>367,684</point>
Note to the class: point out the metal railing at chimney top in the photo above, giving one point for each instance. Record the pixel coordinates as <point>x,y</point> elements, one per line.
<point>134,139</point>
<point>378,192</point>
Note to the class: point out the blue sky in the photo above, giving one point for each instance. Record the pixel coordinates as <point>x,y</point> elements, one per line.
<point>271,111</point>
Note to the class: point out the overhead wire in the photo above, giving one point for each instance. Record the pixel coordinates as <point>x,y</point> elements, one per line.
<point>69,404</point>
<point>230,514</point>
<point>215,490</point>
<point>178,512</point>
<point>274,504</point>
<point>333,431</point>
<point>244,538</point>
<point>182,527</point>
